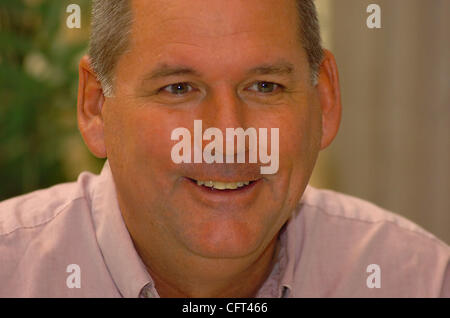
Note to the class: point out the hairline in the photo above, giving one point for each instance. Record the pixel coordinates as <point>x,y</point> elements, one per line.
<point>107,76</point>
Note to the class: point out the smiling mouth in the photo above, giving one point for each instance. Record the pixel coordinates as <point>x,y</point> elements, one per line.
<point>223,186</point>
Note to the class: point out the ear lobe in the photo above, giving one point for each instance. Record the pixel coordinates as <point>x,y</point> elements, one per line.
<point>330,99</point>
<point>89,109</point>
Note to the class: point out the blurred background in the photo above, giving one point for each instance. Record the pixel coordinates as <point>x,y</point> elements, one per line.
<point>39,140</point>
<point>393,147</point>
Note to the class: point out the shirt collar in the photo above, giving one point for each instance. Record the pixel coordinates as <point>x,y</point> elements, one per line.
<point>124,264</point>
<point>291,240</point>
<point>286,260</point>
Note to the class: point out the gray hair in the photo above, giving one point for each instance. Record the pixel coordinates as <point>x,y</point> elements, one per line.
<point>111,28</point>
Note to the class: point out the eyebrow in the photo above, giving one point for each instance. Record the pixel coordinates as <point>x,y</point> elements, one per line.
<point>281,68</point>
<point>165,70</point>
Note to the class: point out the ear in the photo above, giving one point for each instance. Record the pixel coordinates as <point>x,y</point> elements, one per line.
<point>89,109</point>
<point>330,98</point>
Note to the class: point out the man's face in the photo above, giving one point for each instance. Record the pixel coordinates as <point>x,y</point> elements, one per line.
<point>218,45</point>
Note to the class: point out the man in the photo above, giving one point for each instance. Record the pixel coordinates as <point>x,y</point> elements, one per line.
<point>152,226</point>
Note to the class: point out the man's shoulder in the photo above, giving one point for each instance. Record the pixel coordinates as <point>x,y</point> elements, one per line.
<point>342,235</point>
<point>47,233</point>
<point>39,207</point>
<point>329,204</point>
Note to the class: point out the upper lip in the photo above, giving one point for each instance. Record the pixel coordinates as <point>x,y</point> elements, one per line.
<point>223,172</point>
<point>223,181</point>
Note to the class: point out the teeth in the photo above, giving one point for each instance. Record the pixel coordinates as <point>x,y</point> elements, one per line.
<point>223,185</point>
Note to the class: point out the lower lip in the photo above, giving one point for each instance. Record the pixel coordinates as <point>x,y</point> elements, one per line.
<point>242,194</point>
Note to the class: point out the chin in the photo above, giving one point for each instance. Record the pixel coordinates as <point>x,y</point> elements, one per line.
<point>230,240</point>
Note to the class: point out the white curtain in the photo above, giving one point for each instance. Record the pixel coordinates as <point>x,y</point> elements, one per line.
<point>393,147</point>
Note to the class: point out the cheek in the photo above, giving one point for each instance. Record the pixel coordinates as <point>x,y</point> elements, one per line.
<point>151,145</point>
<point>300,138</point>
<point>138,143</point>
<point>299,147</point>
<point>151,136</point>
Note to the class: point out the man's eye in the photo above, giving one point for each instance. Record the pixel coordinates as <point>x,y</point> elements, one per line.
<point>265,87</point>
<point>178,88</point>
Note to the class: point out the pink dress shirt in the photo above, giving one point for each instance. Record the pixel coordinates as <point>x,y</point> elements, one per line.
<point>328,248</point>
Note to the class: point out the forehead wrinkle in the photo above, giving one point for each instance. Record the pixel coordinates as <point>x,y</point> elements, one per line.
<point>166,70</point>
<point>279,68</point>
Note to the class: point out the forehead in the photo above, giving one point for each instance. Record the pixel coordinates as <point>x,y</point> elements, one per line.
<point>214,23</point>
<point>222,40</point>
<point>216,16</point>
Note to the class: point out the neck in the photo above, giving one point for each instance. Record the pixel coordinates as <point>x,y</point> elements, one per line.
<point>221,279</point>
<point>178,276</point>
<point>177,272</point>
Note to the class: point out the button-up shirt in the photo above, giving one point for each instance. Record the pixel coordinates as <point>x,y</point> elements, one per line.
<point>70,240</point>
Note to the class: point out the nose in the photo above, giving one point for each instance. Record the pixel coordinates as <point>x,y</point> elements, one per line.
<point>224,109</point>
